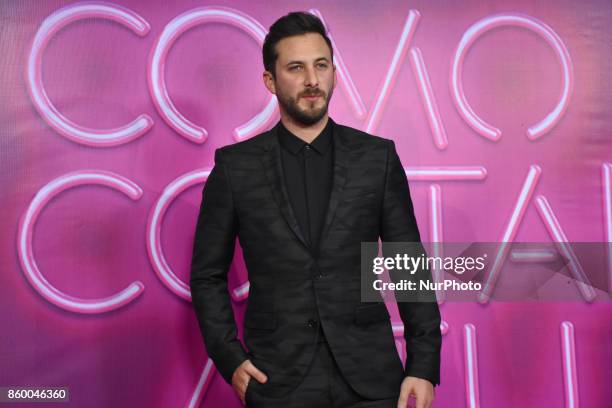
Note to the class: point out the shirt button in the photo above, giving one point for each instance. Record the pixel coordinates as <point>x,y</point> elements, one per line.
<point>311,323</point>
<point>307,147</point>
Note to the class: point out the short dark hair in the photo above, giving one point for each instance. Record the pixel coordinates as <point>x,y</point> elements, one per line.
<point>295,23</point>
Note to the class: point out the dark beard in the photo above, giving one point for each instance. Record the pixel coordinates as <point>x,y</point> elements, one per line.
<point>308,118</point>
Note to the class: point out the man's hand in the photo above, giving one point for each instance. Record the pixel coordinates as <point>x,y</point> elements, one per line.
<point>422,390</point>
<point>243,374</point>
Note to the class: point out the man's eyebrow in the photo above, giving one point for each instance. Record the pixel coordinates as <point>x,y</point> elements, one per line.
<point>301,62</point>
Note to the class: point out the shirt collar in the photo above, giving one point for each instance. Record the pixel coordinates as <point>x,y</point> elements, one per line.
<point>294,144</point>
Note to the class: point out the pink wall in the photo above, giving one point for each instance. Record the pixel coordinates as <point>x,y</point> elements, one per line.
<point>108,128</point>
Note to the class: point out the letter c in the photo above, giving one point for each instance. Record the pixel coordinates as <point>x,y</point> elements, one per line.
<point>26,255</point>
<point>64,126</point>
<point>157,61</point>
<point>154,224</point>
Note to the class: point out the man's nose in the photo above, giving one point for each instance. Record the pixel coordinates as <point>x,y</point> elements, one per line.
<point>311,78</point>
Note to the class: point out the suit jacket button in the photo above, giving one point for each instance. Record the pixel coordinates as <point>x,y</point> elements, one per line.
<point>311,323</point>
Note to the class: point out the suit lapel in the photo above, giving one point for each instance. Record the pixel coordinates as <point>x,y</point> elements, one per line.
<point>273,168</point>
<point>271,161</point>
<point>341,153</point>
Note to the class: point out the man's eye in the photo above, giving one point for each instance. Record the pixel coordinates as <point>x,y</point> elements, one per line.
<point>295,68</point>
<point>322,66</point>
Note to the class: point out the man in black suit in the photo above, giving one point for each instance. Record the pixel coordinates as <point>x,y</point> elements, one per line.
<point>302,198</point>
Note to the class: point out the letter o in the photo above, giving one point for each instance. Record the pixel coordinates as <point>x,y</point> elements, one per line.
<point>515,20</point>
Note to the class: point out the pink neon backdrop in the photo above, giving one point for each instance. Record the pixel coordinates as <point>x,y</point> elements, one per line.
<point>91,241</point>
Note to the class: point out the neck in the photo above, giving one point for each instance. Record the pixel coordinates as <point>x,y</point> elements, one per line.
<point>305,132</point>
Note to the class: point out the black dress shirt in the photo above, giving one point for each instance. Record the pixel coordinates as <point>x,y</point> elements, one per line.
<point>308,170</point>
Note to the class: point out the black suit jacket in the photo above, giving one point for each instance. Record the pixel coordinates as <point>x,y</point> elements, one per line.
<point>291,289</point>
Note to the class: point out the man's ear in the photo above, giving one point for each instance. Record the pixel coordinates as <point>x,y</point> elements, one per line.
<point>268,79</point>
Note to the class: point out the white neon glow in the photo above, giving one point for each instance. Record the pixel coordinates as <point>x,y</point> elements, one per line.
<point>436,234</point>
<point>382,96</point>
<point>517,215</point>
<point>513,20</point>
<point>471,365</point>
<point>447,173</point>
<point>606,174</point>
<point>154,225</point>
<point>553,226</point>
<point>50,114</point>
<point>428,98</point>
<point>157,61</point>
<point>203,384</point>
<point>26,252</point>
<point>346,81</point>
<point>241,292</point>
<point>533,255</point>
<point>570,377</point>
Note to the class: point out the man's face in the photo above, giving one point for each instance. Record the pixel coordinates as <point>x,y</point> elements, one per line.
<point>305,77</point>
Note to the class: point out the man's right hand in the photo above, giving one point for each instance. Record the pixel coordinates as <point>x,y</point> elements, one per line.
<point>243,374</point>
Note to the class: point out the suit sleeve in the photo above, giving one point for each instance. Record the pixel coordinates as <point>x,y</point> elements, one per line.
<point>421,318</point>
<point>213,251</point>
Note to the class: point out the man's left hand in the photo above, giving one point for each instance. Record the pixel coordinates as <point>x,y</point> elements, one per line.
<point>422,390</point>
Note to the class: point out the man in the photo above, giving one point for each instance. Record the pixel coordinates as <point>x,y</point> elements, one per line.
<point>301,198</point>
